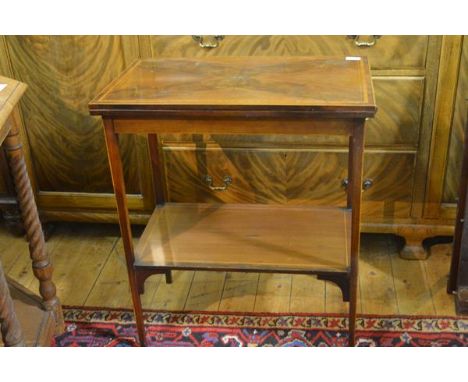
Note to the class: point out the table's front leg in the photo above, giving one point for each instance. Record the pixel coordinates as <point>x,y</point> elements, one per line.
<point>41,264</point>
<point>115,164</point>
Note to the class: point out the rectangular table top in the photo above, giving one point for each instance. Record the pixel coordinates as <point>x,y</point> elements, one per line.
<point>213,85</point>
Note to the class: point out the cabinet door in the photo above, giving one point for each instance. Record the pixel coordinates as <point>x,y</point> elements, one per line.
<point>67,152</point>
<point>457,134</point>
<point>450,110</point>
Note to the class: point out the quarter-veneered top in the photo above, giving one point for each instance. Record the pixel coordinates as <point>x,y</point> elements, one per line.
<point>322,85</point>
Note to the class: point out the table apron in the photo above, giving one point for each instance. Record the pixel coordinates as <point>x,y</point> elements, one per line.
<point>237,127</point>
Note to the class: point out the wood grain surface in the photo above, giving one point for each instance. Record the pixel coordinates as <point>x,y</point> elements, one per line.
<point>388,52</point>
<point>287,176</point>
<point>252,237</point>
<point>184,86</point>
<point>457,134</point>
<point>63,74</point>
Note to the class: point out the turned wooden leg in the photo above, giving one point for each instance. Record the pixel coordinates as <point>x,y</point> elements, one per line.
<point>41,264</point>
<point>9,325</point>
<point>413,248</point>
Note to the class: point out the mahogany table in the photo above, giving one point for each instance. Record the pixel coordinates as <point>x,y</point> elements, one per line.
<point>25,319</point>
<point>241,95</point>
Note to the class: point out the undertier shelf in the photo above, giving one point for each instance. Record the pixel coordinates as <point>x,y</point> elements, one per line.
<point>246,237</point>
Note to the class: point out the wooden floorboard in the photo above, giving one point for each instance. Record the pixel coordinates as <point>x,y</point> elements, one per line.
<point>173,296</point>
<point>90,270</point>
<point>437,269</point>
<point>411,284</point>
<point>206,291</point>
<point>273,293</point>
<point>307,294</point>
<point>378,295</point>
<point>240,290</point>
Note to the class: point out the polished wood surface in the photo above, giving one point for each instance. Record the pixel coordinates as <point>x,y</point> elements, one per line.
<point>234,84</point>
<point>249,237</point>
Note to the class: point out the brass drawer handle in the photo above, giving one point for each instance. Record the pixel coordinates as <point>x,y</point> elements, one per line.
<point>364,44</point>
<point>368,183</point>
<point>227,180</point>
<point>210,44</point>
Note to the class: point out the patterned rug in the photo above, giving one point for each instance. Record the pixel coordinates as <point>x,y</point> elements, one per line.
<point>108,327</point>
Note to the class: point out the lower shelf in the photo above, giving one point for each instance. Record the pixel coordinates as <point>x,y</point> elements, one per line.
<point>246,237</point>
<point>37,324</point>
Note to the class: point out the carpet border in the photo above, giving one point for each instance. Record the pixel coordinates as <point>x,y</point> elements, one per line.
<point>264,314</point>
<point>280,321</point>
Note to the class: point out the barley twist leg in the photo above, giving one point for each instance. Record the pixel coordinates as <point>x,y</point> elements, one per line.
<point>41,264</point>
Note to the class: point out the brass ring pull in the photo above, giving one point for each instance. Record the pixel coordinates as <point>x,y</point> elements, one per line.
<point>210,44</point>
<point>227,180</point>
<point>368,183</point>
<point>364,44</point>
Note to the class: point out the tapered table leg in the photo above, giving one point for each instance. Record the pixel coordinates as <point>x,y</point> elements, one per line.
<point>356,145</point>
<point>115,163</point>
<point>41,264</point>
<point>9,325</point>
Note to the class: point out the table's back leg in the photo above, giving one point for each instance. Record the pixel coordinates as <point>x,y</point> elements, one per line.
<point>115,164</point>
<point>158,179</point>
<point>9,325</point>
<point>356,146</point>
<point>41,264</point>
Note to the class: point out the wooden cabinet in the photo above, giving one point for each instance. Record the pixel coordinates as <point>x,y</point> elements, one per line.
<point>411,148</point>
<point>66,151</point>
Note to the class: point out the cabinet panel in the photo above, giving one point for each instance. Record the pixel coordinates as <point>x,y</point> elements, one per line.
<point>287,176</point>
<point>399,101</point>
<point>66,144</point>
<point>388,51</point>
<point>457,134</point>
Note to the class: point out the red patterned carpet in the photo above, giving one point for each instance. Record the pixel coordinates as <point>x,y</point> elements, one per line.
<point>108,327</point>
